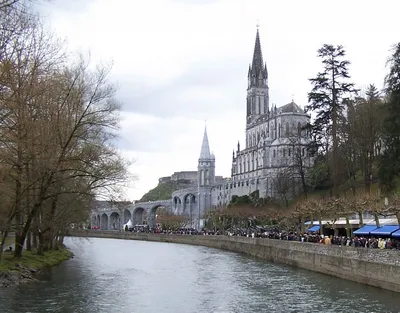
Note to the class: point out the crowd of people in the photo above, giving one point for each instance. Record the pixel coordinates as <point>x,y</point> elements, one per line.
<point>260,232</point>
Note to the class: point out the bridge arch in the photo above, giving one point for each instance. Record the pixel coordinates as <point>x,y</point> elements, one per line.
<point>115,221</point>
<point>189,208</point>
<point>177,203</point>
<point>93,220</point>
<point>153,214</point>
<point>139,215</point>
<point>104,221</point>
<point>127,216</point>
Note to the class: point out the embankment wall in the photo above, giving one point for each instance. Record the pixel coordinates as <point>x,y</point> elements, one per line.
<point>379,268</point>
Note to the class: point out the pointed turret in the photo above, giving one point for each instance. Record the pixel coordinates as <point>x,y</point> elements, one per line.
<point>205,147</point>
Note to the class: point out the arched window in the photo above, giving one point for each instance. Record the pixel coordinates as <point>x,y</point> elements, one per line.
<point>279,131</point>
<point>274,153</point>
<point>287,129</point>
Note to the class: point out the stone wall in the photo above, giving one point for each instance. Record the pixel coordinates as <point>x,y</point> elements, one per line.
<point>379,268</point>
<point>185,175</point>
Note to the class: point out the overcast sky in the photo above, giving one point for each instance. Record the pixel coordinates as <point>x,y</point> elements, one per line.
<point>180,62</point>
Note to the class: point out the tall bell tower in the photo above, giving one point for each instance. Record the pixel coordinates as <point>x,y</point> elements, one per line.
<point>257,87</point>
<point>206,178</point>
<point>206,164</point>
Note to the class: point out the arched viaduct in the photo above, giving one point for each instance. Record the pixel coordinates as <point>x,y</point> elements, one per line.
<point>112,216</point>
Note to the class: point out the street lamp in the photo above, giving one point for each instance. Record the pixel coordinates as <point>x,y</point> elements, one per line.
<point>199,211</point>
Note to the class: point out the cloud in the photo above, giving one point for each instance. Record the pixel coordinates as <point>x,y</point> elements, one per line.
<point>179,62</point>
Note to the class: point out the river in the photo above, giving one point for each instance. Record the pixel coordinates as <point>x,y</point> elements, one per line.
<point>110,275</point>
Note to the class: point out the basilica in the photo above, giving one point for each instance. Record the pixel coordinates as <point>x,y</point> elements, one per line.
<point>271,160</point>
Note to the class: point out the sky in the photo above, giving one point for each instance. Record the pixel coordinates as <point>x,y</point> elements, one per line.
<point>182,64</point>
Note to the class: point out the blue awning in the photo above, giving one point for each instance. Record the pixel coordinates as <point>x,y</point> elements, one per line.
<point>365,230</point>
<point>396,234</point>
<point>385,230</point>
<point>314,228</point>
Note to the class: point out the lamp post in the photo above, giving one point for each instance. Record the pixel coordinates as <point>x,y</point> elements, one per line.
<point>199,198</point>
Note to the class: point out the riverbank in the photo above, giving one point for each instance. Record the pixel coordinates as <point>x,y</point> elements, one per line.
<point>14,272</point>
<point>374,267</point>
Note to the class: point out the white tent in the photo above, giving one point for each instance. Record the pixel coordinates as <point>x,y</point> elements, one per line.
<point>129,224</point>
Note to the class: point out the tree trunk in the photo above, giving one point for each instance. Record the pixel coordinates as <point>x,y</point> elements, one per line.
<point>25,229</point>
<point>302,225</point>
<point>304,183</point>
<point>3,241</point>
<point>360,215</point>
<point>376,216</point>
<point>34,240</point>
<point>40,250</point>
<point>18,221</point>
<point>367,173</point>
<point>348,226</point>
<point>29,241</point>
<point>320,223</point>
<point>334,140</point>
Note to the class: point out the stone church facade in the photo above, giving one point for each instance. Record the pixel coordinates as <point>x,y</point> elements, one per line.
<point>273,154</point>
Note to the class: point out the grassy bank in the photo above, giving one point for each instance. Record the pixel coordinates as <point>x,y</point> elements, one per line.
<point>33,262</point>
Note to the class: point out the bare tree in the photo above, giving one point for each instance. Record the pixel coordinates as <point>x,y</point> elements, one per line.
<point>283,183</point>
<point>57,125</point>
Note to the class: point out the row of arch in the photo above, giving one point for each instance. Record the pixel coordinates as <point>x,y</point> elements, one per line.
<point>186,205</point>
<point>115,221</point>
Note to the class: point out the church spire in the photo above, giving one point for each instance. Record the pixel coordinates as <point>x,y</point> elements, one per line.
<point>257,85</point>
<point>205,147</point>
<point>257,64</point>
<point>258,73</point>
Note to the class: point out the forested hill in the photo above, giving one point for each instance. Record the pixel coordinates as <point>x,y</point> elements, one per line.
<point>163,191</point>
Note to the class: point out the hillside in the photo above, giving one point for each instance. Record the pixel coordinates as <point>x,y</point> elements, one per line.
<point>163,191</point>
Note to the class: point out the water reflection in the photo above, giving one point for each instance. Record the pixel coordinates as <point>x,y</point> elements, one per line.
<point>129,276</point>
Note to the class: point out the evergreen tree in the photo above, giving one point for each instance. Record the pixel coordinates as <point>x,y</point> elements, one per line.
<point>390,162</point>
<point>327,100</point>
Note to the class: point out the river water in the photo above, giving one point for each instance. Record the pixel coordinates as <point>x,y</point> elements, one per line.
<point>109,275</point>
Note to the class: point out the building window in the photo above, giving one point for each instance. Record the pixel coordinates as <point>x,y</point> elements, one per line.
<point>299,128</point>
<point>274,153</point>
<point>284,152</point>
<point>302,152</point>
<point>287,129</point>
<point>289,152</point>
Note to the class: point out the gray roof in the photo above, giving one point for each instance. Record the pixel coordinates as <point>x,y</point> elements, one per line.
<point>291,108</point>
